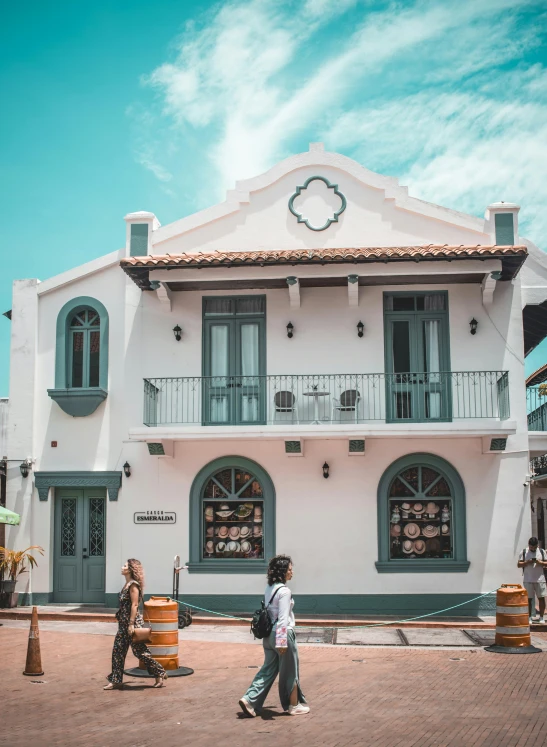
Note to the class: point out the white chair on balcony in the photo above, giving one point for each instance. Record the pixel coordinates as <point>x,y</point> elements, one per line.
<point>285,402</point>
<point>348,402</point>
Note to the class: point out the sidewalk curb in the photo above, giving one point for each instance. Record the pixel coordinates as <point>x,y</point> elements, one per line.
<point>14,614</point>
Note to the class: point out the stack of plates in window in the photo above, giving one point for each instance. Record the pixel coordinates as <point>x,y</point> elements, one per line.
<point>234,530</point>
<point>419,530</point>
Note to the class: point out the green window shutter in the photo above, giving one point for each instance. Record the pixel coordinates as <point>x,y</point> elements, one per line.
<point>139,239</point>
<point>505,234</point>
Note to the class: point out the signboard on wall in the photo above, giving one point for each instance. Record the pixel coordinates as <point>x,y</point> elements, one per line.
<point>155,517</point>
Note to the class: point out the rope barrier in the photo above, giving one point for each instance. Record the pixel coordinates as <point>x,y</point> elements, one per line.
<point>352,627</point>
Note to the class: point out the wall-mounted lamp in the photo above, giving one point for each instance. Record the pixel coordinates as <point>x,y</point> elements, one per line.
<point>177,331</point>
<point>326,470</point>
<point>290,329</point>
<point>473,324</point>
<point>25,466</point>
<point>127,469</point>
<point>360,329</point>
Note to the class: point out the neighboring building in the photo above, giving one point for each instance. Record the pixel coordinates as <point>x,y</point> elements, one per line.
<point>319,323</point>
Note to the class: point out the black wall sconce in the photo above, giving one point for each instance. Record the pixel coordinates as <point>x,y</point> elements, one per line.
<point>177,331</point>
<point>127,469</point>
<point>473,324</point>
<point>326,469</point>
<point>360,329</point>
<point>24,467</point>
<point>290,329</point>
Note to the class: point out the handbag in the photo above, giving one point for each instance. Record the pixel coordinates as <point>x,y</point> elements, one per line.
<point>141,635</point>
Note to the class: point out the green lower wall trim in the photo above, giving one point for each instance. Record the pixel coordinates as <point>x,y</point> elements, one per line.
<point>37,597</point>
<point>405,605</point>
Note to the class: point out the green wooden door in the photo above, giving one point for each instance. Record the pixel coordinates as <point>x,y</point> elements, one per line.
<point>234,362</point>
<point>80,545</point>
<point>418,378</point>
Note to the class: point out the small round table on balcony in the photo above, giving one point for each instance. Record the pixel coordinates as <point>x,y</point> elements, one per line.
<point>316,396</point>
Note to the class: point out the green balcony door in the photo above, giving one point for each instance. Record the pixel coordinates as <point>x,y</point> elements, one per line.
<point>80,545</point>
<point>234,358</point>
<point>418,380</point>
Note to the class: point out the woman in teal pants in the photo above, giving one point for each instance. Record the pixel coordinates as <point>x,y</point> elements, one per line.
<point>280,650</point>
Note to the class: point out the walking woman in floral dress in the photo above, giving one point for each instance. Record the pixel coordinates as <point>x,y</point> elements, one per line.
<point>129,618</point>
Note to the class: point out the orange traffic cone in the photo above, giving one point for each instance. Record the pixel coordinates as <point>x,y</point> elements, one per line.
<point>33,667</point>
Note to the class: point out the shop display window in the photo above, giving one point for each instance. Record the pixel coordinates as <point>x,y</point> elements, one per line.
<point>421,505</point>
<point>233,516</point>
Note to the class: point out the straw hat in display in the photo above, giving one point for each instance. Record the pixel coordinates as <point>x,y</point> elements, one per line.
<point>432,508</point>
<point>234,533</point>
<point>408,547</point>
<point>245,547</point>
<point>258,514</point>
<point>225,511</point>
<point>257,531</point>
<point>209,513</point>
<point>405,508</point>
<point>245,533</point>
<point>412,530</point>
<point>419,547</point>
<point>233,547</point>
<point>223,532</point>
<point>430,531</point>
<point>395,530</point>
<point>445,529</point>
<point>221,547</point>
<point>209,532</point>
<point>210,546</point>
<point>418,508</point>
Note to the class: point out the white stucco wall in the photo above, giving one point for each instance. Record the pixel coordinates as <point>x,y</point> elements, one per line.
<point>332,520</point>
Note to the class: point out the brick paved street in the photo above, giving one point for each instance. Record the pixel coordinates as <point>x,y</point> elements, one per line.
<point>359,696</point>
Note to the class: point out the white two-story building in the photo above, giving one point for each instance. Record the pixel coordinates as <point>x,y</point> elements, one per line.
<point>321,365</point>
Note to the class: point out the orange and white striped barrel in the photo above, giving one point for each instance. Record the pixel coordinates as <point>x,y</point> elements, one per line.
<point>162,615</point>
<point>512,617</point>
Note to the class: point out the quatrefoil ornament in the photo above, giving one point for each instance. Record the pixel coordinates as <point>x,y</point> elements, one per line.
<point>300,217</point>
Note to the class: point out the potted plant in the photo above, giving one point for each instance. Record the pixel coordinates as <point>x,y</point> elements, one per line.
<point>13,563</point>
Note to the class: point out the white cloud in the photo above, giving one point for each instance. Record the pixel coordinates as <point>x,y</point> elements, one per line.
<point>424,87</point>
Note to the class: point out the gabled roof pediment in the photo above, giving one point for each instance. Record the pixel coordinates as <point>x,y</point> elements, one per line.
<point>366,193</point>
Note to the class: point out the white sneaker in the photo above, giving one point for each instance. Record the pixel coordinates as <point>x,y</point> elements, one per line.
<point>531,621</point>
<point>541,621</point>
<point>298,710</point>
<point>247,708</point>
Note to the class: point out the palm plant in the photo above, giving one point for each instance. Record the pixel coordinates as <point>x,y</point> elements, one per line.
<point>15,562</point>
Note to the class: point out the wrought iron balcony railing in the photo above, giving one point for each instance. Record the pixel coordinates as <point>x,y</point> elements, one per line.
<point>536,405</point>
<point>320,398</point>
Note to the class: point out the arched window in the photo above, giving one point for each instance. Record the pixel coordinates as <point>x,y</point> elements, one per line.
<point>81,357</point>
<point>421,517</point>
<point>232,518</point>
<point>85,353</point>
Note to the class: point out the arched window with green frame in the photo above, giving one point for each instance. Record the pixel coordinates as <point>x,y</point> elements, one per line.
<point>421,517</point>
<point>232,518</point>
<point>81,356</point>
<point>84,349</point>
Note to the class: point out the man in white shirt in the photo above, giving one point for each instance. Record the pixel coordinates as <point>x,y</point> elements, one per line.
<point>533,561</point>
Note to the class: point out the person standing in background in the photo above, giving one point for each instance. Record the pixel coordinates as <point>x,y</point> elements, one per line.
<point>532,561</point>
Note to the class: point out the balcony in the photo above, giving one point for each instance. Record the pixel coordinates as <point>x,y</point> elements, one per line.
<point>536,406</point>
<point>316,400</point>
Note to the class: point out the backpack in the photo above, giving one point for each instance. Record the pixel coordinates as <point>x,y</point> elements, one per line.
<point>261,624</point>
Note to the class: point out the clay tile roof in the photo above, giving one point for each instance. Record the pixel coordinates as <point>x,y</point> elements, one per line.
<point>512,258</point>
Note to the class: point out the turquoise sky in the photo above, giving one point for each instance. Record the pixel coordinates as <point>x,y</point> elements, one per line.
<point>113,107</point>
